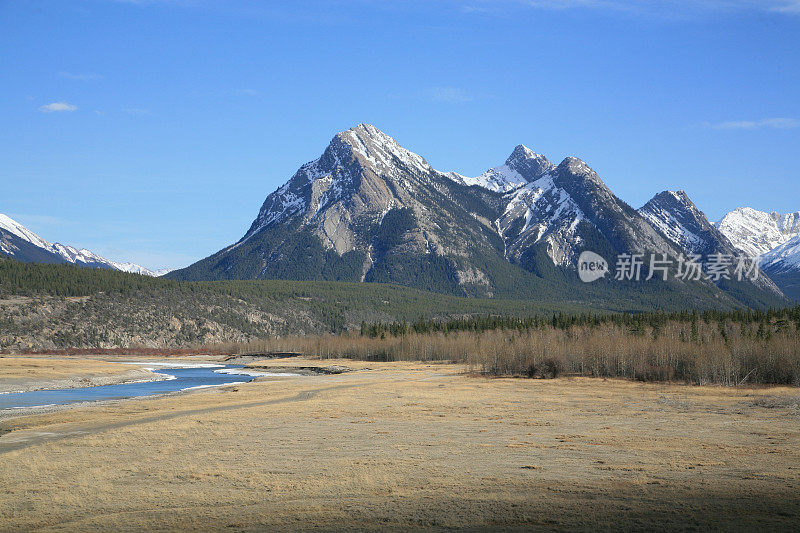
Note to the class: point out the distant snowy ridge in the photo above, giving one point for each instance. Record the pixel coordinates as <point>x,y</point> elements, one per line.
<point>756,232</point>
<point>68,254</point>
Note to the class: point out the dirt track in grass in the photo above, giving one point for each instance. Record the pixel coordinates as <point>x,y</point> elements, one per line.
<point>403,445</point>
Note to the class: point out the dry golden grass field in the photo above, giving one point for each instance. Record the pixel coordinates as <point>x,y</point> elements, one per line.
<point>400,446</point>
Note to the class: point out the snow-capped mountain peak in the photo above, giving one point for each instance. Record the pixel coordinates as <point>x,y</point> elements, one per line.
<point>372,147</point>
<point>361,151</point>
<point>757,232</point>
<point>379,148</point>
<point>578,168</point>
<point>677,218</point>
<point>20,243</point>
<point>15,228</point>
<point>521,153</point>
<point>528,163</point>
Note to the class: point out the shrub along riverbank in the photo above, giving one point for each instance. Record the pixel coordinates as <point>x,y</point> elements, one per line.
<point>728,348</point>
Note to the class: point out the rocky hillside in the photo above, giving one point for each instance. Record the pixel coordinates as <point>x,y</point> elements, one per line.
<point>46,306</point>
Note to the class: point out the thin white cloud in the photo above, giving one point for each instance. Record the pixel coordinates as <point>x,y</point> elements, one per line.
<point>788,7</point>
<point>671,8</point>
<point>449,95</point>
<point>147,2</point>
<point>565,4</point>
<point>39,220</point>
<point>58,107</point>
<point>80,77</point>
<point>664,8</point>
<point>772,123</point>
<point>138,111</point>
<point>248,92</point>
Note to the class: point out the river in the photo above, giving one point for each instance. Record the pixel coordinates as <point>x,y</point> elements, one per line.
<point>181,377</point>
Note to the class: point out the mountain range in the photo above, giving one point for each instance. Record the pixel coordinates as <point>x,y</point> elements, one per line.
<point>20,243</point>
<point>369,210</point>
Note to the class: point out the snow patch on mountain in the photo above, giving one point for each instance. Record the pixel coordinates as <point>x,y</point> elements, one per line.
<point>541,211</point>
<point>522,166</point>
<point>784,258</point>
<point>380,150</point>
<point>497,179</point>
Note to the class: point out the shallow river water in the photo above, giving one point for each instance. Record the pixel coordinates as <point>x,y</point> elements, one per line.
<point>180,379</point>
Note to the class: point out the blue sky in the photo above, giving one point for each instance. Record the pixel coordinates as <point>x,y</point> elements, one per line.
<point>152,131</point>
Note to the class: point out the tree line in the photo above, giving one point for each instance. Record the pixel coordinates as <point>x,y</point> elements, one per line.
<point>765,322</point>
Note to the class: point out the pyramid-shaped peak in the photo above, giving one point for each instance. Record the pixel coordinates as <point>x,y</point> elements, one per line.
<point>674,202</point>
<point>575,165</point>
<point>373,148</point>
<point>522,152</point>
<point>365,132</point>
<point>677,196</point>
<point>528,163</point>
<point>573,170</point>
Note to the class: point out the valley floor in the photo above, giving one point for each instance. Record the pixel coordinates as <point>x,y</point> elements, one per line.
<point>405,445</point>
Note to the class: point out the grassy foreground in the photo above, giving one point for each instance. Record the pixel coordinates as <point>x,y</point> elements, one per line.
<point>410,445</point>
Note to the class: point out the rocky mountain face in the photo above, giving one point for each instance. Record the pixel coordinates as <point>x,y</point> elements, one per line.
<point>20,243</point>
<point>366,210</point>
<point>675,215</point>
<point>369,210</point>
<point>678,219</point>
<point>569,209</point>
